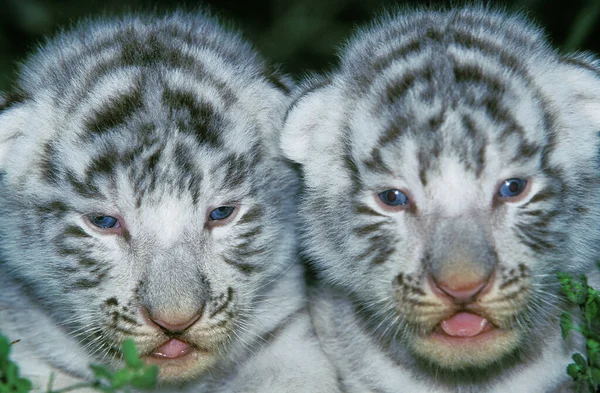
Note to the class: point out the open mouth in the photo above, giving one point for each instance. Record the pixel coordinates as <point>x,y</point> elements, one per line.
<point>465,326</point>
<point>466,339</point>
<point>179,360</point>
<point>172,349</point>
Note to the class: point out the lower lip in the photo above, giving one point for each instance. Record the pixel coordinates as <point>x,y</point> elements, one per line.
<point>489,332</point>
<point>158,359</point>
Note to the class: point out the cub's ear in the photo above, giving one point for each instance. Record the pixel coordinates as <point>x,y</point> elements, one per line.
<point>310,124</point>
<point>13,118</point>
<point>572,88</point>
<point>581,73</point>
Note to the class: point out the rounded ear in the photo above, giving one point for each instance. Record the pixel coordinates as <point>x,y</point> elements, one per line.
<point>310,124</point>
<point>582,74</point>
<point>574,87</point>
<point>12,121</point>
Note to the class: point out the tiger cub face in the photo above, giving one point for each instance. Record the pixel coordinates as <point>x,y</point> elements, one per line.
<point>140,191</point>
<point>451,170</point>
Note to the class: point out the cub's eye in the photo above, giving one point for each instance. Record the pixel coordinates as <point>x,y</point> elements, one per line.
<point>104,222</point>
<point>221,212</point>
<point>393,198</point>
<point>511,188</point>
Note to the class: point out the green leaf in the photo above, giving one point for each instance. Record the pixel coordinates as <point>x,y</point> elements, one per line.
<point>580,362</point>
<point>4,347</point>
<point>102,372</point>
<point>23,385</point>
<point>573,371</point>
<point>11,373</point>
<point>566,324</point>
<point>132,359</point>
<point>146,379</point>
<point>593,347</point>
<point>595,373</point>
<point>591,310</point>
<point>122,378</point>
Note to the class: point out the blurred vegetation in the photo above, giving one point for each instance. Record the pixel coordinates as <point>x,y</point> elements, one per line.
<point>300,35</point>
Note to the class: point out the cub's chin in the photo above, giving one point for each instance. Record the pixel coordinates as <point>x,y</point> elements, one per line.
<point>465,349</point>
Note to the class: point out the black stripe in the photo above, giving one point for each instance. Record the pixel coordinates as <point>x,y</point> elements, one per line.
<point>366,210</point>
<point>397,89</point>
<point>74,231</point>
<point>582,63</point>
<point>492,50</point>
<point>375,162</point>
<point>380,246</point>
<point>395,130</point>
<point>255,213</point>
<point>350,164</point>
<point>49,164</point>
<point>273,75</point>
<point>203,119</point>
<point>85,189</point>
<point>244,253</point>
<point>224,304</point>
<point>534,238</point>
<point>251,233</point>
<point>383,255</point>
<point>12,98</point>
<point>480,143</point>
<point>382,63</point>
<point>85,283</point>
<point>473,74</point>
<point>367,229</point>
<point>237,170</point>
<point>115,112</point>
<point>57,209</point>
<point>242,267</point>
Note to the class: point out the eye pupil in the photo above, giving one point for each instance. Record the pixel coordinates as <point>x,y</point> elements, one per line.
<point>104,222</point>
<point>512,188</point>
<point>221,212</point>
<point>393,198</point>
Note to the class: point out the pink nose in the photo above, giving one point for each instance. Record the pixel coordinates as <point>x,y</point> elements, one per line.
<point>174,324</point>
<point>461,290</point>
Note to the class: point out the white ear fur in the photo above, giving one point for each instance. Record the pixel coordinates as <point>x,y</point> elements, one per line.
<point>574,87</point>
<point>311,126</point>
<point>12,121</point>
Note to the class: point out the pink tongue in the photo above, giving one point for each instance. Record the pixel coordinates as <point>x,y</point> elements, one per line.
<point>464,324</point>
<point>172,349</point>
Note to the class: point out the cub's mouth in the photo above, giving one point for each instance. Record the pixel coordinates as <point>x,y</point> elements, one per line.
<point>464,325</point>
<point>172,349</point>
<point>179,360</point>
<point>464,340</point>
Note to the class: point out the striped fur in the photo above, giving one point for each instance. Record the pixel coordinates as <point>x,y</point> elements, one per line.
<point>445,106</point>
<point>156,121</point>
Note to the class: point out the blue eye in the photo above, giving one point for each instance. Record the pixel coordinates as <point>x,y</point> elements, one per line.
<point>512,188</point>
<point>393,198</point>
<point>221,212</point>
<point>104,222</point>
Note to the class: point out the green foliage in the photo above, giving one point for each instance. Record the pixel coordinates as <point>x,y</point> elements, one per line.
<point>585,369</point>
<point>10,381</point>
<point>134,375</point>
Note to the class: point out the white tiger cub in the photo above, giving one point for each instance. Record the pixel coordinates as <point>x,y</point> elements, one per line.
<point>451,170</point>
<point>142,195</point>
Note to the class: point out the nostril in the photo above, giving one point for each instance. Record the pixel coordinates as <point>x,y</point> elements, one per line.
<point>461,289</point>
<point>176,327</point>
<point>172,324</point>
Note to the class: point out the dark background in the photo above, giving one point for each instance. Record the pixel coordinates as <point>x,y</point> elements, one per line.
<point>300,35</point>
